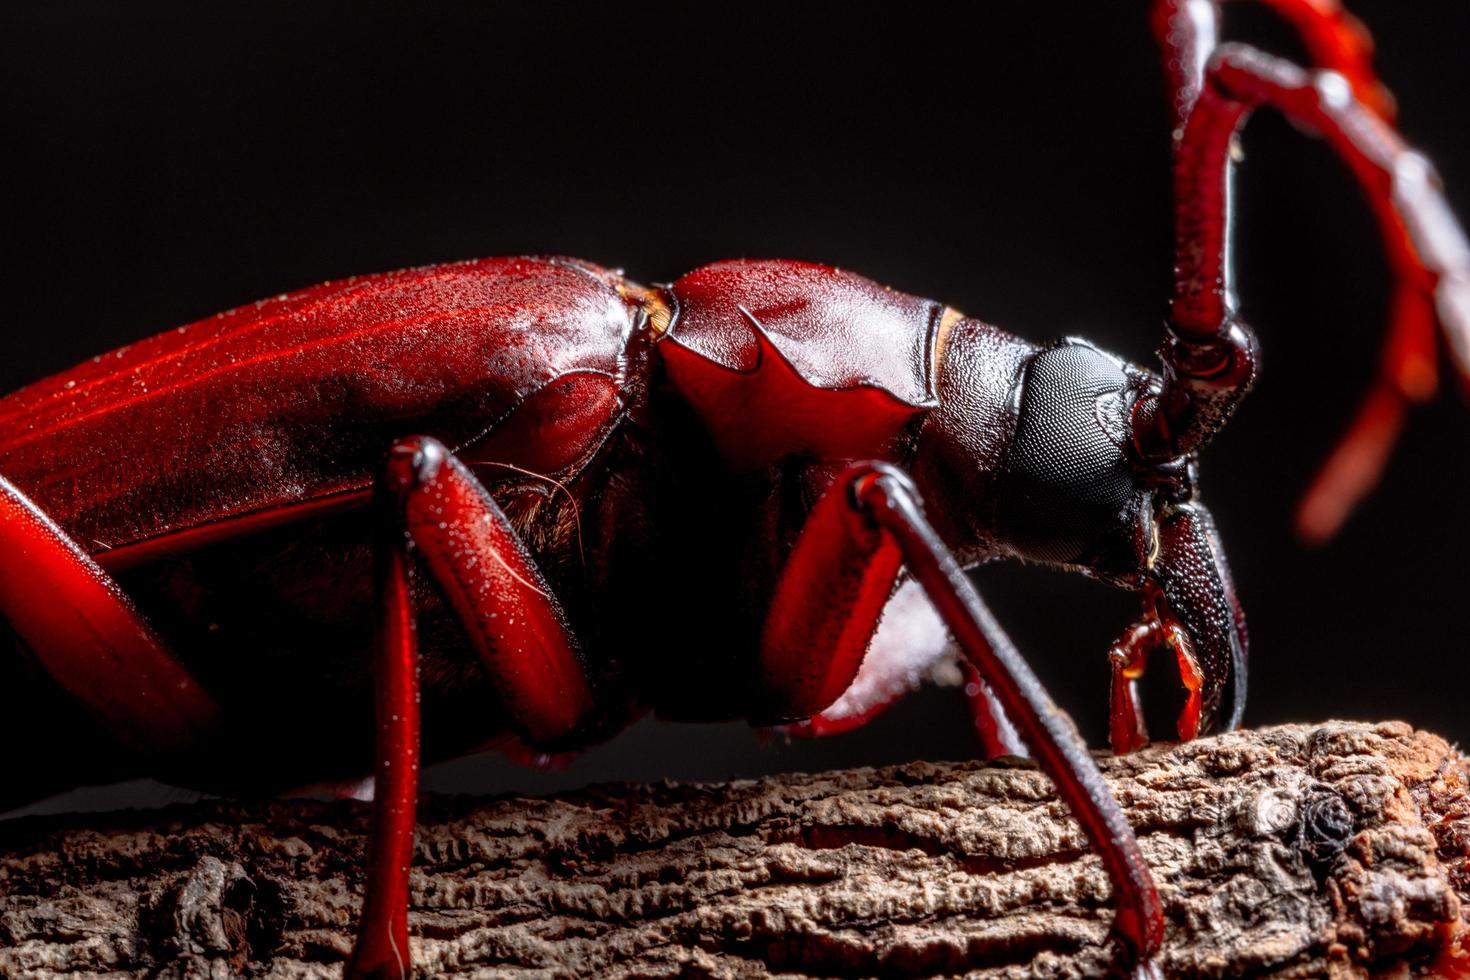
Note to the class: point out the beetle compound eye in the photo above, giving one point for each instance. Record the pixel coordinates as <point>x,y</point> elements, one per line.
<point>1066,478</point>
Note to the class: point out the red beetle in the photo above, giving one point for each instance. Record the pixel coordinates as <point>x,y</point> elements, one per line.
<point>527,449</point>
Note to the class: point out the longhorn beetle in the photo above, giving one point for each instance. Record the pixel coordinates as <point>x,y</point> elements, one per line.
<point>500,457</point>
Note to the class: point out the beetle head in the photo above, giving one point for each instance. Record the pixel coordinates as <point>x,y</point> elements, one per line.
<point>1073,492</point>
<point>1069,490</point>
<point>1067,487</point>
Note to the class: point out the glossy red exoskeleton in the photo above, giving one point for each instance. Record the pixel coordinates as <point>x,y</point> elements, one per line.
<point>528,449</point>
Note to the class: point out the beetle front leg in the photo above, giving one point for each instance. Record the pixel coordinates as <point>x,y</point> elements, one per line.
<point>894,505</point>
<point>826,606</point>
<point>1128,659</point>
<point>86,633</point>
<point>820,628</point>
<point>435,515</point>
<point>844,563</point>
<point>909,647</point>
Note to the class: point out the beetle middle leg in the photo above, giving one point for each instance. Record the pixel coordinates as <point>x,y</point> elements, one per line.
<point>433,514</point>
<point>867,525</point>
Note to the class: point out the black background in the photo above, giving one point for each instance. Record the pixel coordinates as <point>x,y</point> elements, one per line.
<point>162,165</point>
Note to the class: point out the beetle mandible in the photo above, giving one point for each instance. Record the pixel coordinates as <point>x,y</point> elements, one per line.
<point>556,434</point>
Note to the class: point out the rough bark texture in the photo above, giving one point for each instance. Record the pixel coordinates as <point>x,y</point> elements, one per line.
<point>1338,849</point>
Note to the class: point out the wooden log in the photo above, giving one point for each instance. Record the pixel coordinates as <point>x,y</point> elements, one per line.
<point>1337,850</point>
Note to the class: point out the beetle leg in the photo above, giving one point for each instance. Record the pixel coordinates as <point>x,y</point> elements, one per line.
<point>994,731</point>
<point>1129,658</point>
<point>91,639</point>
<point>891,501</point>
<point>826,606</point>
<point>381,949</point>
<point>910,646</point>
<point>827,603</point>
<point>434,510</point>
<point>997,735</point>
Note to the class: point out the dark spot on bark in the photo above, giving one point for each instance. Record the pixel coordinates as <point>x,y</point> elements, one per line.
<point>1324,828</point>
<point>254,915</point>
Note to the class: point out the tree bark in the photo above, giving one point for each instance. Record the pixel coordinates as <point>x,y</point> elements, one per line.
<point>1300,851</point>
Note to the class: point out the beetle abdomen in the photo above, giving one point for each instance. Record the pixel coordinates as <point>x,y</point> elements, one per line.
<point>293,399</point>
